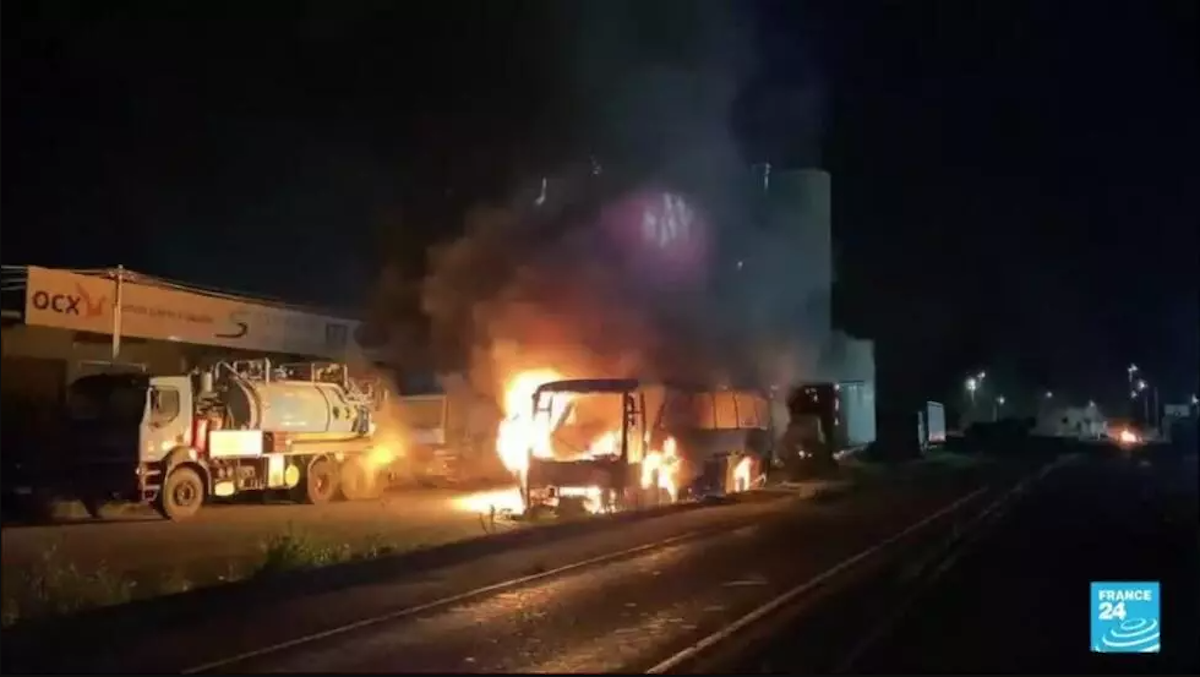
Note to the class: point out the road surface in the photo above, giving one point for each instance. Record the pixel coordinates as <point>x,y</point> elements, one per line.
<point>223,541</point>
<point>1018,599</point>
<point>625,614</point>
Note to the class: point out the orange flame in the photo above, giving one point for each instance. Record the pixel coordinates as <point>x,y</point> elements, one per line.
<point>664,463</point>
<point>520,433</point>
<point>743,474</point>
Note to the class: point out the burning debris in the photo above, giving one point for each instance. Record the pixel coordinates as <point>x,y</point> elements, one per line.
<point>586,277</point>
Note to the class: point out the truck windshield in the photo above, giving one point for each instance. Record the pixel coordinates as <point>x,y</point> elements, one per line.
<point>109,397</point>
<point>584,424</point>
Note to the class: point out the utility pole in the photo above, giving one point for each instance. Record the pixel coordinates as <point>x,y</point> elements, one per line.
<point>117,305</point>
<point>1130,371</point>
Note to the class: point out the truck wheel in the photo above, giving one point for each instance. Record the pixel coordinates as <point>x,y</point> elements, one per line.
<point>181,495</point>
<point>320,482</point>
<point>358,481</point>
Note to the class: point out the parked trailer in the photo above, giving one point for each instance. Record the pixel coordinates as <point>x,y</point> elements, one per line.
<point>621,444</point>
<point>932,425</point>
<point>451,437</point>
<point>247,426</point>
<point>845,411</point>
<point>856,400</point>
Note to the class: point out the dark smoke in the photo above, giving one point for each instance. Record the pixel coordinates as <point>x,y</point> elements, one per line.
<point>530,287</point>
<point>514,295</point>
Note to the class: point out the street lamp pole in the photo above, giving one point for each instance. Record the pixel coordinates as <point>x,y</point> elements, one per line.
<point>1130,371</point>
<point>1139,390</point>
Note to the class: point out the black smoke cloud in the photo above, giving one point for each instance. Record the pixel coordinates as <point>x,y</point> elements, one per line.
<point>534,285</point>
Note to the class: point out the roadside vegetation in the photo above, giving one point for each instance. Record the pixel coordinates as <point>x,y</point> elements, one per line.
<point>56,586</point>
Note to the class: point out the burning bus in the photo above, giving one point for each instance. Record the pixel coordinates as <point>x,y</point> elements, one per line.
<point>602,445</point>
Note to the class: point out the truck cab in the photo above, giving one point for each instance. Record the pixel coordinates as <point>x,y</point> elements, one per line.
<point>119,427</point>
<point>586,446</point>
<point>622,444</point>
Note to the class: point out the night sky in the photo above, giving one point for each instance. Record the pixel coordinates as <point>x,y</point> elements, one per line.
<point>1015,182</point>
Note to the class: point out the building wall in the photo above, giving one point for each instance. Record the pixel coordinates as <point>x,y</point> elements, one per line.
<point>60,328</point>
<point>78,349</point>
<point>38,363</point>
<point>146,308</point>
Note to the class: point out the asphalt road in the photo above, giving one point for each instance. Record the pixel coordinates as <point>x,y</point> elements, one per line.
<point>630,614</point>
<point>1018,599</point>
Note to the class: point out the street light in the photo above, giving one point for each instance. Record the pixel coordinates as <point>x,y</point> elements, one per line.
<point>1049,395</point>
<point>1129,372</point>
<point>1000,400</point>
<point>1138,387</point>
<point>973,384</point>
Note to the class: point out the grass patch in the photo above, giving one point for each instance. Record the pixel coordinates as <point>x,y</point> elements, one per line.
<point>295,550</point>
<point>292,550</point>
<point>55,586</point>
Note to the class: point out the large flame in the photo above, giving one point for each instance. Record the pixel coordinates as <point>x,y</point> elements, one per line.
<point>522,434</point>
<point>519,433</point>
<point>665,465</point>
<point>743,474</point>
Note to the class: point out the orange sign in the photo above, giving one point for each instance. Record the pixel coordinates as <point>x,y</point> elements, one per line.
<point>65,300</point>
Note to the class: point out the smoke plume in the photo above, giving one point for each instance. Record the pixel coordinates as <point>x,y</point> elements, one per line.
<point>535,285</point>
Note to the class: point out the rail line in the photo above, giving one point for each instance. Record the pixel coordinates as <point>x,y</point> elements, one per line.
<point>227,662</point>
<point>959,538</point>
<point>945,560</point>
<point>795,594</point>
<point>443,602</point>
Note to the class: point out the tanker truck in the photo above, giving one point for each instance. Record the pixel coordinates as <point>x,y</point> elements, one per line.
<point>248,426</point>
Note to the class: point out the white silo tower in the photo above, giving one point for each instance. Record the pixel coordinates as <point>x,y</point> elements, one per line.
<point>799,215</point>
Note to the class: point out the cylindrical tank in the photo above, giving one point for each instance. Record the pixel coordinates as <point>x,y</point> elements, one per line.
<point>291,407</point>
<point>799,215</point>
